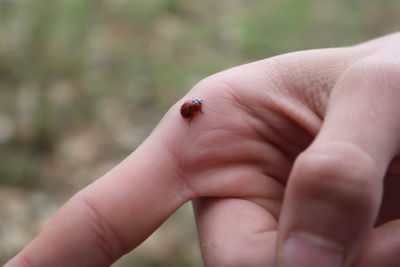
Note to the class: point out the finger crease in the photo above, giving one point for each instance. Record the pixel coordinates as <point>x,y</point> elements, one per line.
<point>23,261</point>
<point>108,239</point>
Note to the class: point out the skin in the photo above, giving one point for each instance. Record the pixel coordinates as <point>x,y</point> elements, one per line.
<point>294,146</point>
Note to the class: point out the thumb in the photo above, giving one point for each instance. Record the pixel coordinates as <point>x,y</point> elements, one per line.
<point>335,188</point>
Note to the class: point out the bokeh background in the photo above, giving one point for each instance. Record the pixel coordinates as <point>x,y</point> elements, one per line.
<point>83,82</point>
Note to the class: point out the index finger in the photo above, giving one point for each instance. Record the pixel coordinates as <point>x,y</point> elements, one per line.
<point>111,216</point>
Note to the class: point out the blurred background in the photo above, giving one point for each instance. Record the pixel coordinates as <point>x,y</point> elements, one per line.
<point>83,82</point>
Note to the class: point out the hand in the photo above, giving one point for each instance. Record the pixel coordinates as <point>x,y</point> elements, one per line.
<point>285,164</point>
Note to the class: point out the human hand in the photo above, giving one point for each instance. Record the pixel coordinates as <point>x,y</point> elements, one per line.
<point>320,127</point>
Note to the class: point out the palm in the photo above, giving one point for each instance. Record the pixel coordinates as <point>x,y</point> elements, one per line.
<point>238,154</point>
<point>237,157</point>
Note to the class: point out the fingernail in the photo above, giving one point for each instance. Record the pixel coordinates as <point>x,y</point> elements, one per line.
<point>305,250</point>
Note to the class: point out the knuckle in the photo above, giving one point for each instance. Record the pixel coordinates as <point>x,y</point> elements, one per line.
<point>344,175</point>
<point>105,236</point>
<point>21,260</point>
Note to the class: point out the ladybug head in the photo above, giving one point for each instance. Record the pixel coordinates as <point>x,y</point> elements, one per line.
<point>197,100</point>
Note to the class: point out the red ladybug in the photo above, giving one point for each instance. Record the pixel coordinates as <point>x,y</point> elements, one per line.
<point>191,107</point>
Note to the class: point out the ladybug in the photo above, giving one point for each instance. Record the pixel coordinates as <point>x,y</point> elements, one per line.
<point>191,107</point>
